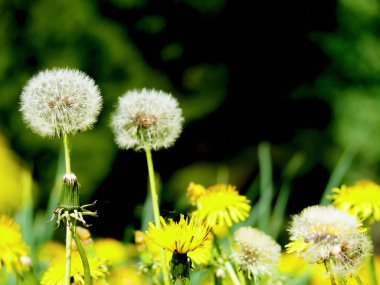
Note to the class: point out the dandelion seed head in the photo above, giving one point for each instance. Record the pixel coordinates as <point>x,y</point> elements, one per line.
<point>146,119</point>
<point>60,101</point>
<point>321,233</point>
<point>256,253</point>
<point>315,221</point>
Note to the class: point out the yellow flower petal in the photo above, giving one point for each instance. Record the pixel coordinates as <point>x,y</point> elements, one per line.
<point>362,199</point>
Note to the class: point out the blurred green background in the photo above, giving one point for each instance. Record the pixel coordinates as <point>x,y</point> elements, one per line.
<point>303,76</point>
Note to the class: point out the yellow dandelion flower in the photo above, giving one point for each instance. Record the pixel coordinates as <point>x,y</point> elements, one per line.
<point>126,275</point>
<point>55,275</point>
<point>181,238</point>
<point>362,199</point>
<point>10,178</point>
<point>220,230</point>
<point>185,236</point>
<point>194,192</point>
<point>290,263</point>
<point>50,251</point>
<point>291,266</point>
<point>150,254</point>
<point>146,245</point>
<point>222,204</point>
<point>12,248</point>
<point>297,246</point>
<point>111,250</point>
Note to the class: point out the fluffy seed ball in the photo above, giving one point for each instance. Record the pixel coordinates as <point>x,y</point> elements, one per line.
<point>257,253</point>
<point>60,101</point>
<point>146,119</point>
<point>321,233</point>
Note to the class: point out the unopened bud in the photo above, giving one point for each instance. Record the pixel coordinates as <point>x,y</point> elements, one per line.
<point>70,192</point>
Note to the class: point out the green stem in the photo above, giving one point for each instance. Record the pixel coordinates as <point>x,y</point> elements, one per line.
<point>329,271</point>
<point>372,271</point>
<point>231,272</point>
<point>83,256</point>
<point>239,273</point>
<point>67,153</point>
<point>156,209</point>
<point>342,280</point>
<point>153,191</point>
<point>155,280</point>
<point>69,238</point>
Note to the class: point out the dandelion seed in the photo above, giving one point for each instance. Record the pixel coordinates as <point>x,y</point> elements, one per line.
<point>257,253</point>
<point>60,101</point>
<point>146,119</point>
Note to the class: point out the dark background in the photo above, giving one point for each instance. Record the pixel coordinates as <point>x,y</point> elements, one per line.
<point>302,76</point>
<point>267,51</point>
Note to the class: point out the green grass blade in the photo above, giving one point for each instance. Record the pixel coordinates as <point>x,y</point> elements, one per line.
<point>266,186</point>
<point>338,173</point>
<point>44,228</point>
<point>291,169</point>
<point>24,217</point>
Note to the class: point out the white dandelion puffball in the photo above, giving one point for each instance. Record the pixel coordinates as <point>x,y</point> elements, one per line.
<point>146,119</point>
<point>60,101</point>
<point>257,253</point>
<point>322,219</point>
<point>321,233</point>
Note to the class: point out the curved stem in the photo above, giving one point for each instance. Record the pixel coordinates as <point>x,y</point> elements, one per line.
<point>371,258</point>
<point>67,153</point>
<point>69,238</point>
<point>329,271</point>
<point>372,271</point>
<point>83,256</point>
<point>231,272</point>
<point>156,210</point>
